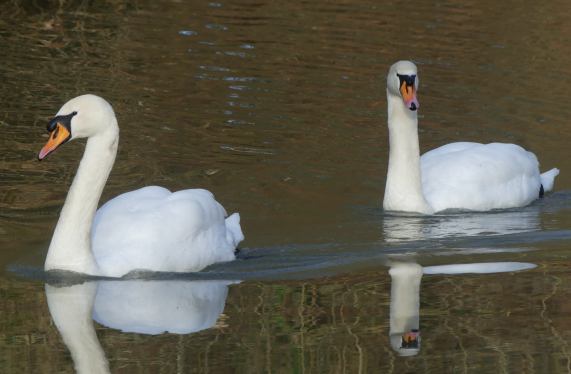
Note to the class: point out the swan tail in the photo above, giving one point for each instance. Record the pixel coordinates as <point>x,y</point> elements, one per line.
<point>548,179</point>
<point>234,233</point>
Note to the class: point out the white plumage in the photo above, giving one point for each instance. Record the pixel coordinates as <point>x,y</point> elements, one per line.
<point>149,229</point>
<point>463,175</point>
<point>480,177</point>
<point>189,227</point>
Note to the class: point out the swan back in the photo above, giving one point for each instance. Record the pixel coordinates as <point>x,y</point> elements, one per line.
<point>154,229</point>
<point>479,177</point>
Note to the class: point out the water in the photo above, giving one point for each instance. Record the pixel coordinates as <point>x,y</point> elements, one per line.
<point>279,109</point>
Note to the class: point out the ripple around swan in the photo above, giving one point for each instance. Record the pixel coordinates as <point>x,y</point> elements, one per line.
<point>310,261</point>
<point>506,235</point>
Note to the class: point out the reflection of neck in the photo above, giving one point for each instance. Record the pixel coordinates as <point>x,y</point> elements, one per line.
<point>70,308</point>
<point>403,191</point>
<point>405,300</point>
<point>70,248</point>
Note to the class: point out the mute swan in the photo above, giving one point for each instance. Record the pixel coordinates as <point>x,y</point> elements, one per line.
<point>470,176</point>
<point>146,229</point>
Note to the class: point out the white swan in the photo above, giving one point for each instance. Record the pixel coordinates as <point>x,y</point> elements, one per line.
<point>469,176</point>
<point>147,229</point>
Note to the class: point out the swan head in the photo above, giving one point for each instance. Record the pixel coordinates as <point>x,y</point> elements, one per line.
<point>402,81</point>
<point>81,117</point>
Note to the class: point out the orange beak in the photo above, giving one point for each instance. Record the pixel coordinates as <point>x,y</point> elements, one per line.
<point>58,136</point>
<point>408,93</point>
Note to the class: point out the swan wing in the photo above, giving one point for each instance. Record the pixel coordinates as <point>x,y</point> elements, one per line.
<point>154,229</point>
<point>480,177</point>
<point>448,148</point>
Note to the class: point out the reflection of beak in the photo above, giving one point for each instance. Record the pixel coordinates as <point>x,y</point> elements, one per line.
<point>409,96</point>
<point>58,136</point>
<point>411,339</point>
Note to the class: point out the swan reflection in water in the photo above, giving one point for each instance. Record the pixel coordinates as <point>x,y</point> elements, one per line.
<point>139,306</point>
<point>403,227</point>
<point>406,277</point>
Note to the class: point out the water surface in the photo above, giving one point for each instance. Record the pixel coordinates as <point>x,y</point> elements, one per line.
<point>279,109</point>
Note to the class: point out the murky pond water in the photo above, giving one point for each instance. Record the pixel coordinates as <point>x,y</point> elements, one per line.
<point>279,109</point>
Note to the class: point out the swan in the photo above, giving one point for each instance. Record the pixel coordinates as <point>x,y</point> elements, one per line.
<point>463,175</point>
<point>147,229</point>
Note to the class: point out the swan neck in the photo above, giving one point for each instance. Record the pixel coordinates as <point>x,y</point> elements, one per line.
<point>403,191</point>
<point>70,248</point>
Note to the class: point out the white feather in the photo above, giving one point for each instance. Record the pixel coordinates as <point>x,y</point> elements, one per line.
<point>463,175</point>
<point>548,179</point>
<point>148,229</point>
<point>154,229</point>
<point>479,177</point>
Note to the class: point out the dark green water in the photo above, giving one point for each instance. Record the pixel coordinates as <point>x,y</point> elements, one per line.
<point>279,109</point>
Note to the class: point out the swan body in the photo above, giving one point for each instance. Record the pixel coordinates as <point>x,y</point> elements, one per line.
<point>191,224</point>
<point>462,175</point>
<point>148,229</point>
<point>479,177</point>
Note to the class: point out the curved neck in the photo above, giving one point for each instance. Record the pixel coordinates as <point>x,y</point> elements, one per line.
<point>403,191</point>
<point>71,309</point>
<point>70,248</point>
